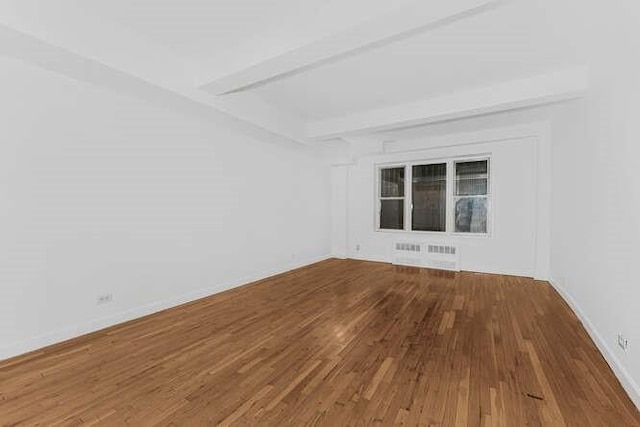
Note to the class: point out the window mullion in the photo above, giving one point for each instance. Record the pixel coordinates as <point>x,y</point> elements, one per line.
<point>450,207</point>
<point>408,197</point>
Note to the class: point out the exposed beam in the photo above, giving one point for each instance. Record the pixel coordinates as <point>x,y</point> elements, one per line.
<point>24,47</point>
<point>48,36</point>
<point>405,22</point>
<point>542,89</point>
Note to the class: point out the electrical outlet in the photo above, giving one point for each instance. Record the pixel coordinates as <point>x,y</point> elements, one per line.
<point>358,247</point>
<point>623,342</point>
<point>105,299</point>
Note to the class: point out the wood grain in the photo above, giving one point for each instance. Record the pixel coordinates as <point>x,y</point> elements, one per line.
<point>336,343</point>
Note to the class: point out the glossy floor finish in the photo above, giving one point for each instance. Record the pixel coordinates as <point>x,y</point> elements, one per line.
<point>336,343</point>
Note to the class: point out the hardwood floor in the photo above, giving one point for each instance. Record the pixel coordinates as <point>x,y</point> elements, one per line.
<point>336,343</point>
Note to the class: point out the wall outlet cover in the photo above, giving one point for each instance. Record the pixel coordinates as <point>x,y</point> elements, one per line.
<point>105,299</point>
<point>623,342</point>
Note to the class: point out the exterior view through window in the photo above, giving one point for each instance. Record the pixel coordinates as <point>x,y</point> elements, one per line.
<point>471,196</point>
<point>429,202</point>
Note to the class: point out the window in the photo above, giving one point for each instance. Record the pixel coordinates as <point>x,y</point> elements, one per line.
<point>471,196</point>
<point>451,196</point>
<point>392,198</point>
<point>429,197</point>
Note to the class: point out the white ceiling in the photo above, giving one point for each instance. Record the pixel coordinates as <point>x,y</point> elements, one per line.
<point>510,42</point>
<point>227,34</point>
<point>175,44</point>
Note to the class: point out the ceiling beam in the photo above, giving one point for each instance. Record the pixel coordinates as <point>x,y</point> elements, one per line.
<point>47,36</point>
<point>547,88</point>
<point>418,17</point>
<point>24,47</point>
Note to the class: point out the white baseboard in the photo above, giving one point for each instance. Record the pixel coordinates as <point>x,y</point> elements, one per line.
<point>339,255</point>
<point>628,383</point>
<point>371,258</point>
<point>49,338</point>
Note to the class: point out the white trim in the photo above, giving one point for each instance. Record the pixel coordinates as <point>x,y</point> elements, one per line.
<point>628,383</point>
<point>50,338</point>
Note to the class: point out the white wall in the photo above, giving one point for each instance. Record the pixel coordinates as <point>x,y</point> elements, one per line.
<point>339,211</point>
<point>596,226</point>
<point>102,193</point>
<point>511,246</point>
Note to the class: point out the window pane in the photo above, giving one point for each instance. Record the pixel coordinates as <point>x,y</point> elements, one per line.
<point>429,197</point>
<point>471,215</point>
<point>392,214</point>
<point>392,182</point>
<point>472,178</point>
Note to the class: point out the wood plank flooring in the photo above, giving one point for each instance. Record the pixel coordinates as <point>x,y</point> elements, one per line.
<point>337,343</point>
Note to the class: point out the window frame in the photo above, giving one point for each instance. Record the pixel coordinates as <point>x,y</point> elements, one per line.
<point>447,204</point>
<point>380,198</point>
<point>450,195</point>
<point>455,198</point>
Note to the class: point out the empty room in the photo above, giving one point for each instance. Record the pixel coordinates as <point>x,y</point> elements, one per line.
<point>319,212</point>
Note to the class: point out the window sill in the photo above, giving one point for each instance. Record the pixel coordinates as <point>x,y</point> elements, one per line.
<point>443,234</point>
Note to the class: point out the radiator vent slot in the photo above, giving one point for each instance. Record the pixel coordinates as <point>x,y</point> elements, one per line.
<point>442,257</point>
<point>408,253</point>
<point>408,247</point>
<point>444,250</point>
